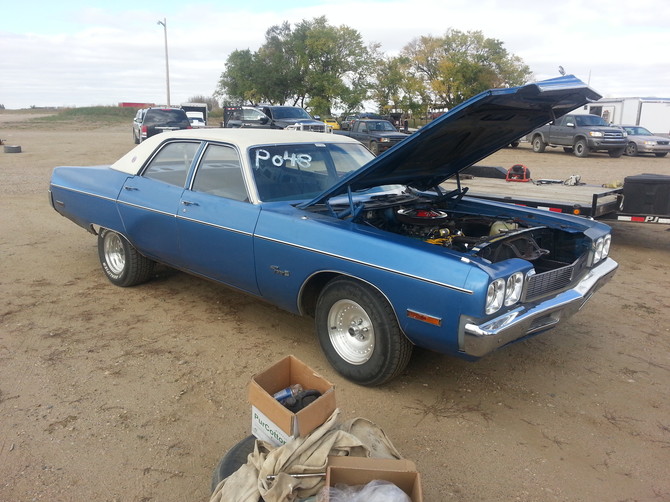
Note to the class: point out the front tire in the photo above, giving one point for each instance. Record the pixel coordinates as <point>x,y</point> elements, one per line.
<point>581,148</point>
<point>374,148</point>
<point>359,333</point>
<point>122,264</point>
<point>631,149</point>
<point>661,154</point>
<point>615,154</point>
<point>538,144</point>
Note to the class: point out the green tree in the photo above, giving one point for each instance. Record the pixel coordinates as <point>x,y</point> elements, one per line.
<point>459,65</point>
<point>313,65</point>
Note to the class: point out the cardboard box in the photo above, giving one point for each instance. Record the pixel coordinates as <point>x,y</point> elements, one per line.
<point>270,420</point>
<point>353,471</point>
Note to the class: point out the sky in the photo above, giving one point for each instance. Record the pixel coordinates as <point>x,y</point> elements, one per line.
<point>77,53</point>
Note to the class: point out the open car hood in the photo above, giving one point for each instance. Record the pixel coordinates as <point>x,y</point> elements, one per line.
<point>466,134</point>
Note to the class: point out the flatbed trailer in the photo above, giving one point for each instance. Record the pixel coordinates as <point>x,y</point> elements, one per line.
<point>591,201</point>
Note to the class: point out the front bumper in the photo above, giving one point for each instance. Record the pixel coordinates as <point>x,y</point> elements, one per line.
<point>477,340</point>
<point>606,144</point>
<point>642,148</point>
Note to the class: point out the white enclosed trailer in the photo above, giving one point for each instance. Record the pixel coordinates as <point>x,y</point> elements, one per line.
<point>652,113</point>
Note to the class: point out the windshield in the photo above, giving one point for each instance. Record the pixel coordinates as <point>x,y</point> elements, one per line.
<point>164,116</point>
<point>290,112</point>
<point>638,131</point>
<point>589,120</point>
<point>302,171</point>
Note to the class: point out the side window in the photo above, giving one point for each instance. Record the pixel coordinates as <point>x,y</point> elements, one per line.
<point>172,162</point>
<point>220,173</point>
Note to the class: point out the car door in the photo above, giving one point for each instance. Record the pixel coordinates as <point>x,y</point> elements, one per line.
<point>148,203</point>
<point>561,133</point>
<point>216,220</point>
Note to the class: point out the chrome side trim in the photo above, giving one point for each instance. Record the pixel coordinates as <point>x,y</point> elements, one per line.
<point>214,225</point>
<point>367,264</point>
<point>70,189</point>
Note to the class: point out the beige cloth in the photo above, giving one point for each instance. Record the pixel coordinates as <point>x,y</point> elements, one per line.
<point>358,437</point>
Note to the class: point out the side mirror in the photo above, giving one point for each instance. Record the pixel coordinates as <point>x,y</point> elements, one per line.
<point>570,124</point>
<point>264,120</point>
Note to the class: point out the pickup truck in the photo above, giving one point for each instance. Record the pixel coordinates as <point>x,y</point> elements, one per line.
<point>377,135</point>
<point>581,135</point>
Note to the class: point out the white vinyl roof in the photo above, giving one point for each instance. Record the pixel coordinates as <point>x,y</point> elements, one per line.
<point>133,161</point>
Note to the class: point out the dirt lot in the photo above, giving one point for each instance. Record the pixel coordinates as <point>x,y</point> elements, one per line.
<point>111,394</point>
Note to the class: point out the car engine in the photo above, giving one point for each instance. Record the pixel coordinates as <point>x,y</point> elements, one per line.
<point>492,238</point>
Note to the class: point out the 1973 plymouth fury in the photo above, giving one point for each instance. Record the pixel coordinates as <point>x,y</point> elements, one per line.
<point>374,249</point>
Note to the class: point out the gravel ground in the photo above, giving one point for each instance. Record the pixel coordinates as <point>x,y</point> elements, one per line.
<point>112,394</point>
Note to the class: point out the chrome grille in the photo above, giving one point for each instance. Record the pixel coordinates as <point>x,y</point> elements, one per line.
<point>553,281</point>
<point>613,135</point>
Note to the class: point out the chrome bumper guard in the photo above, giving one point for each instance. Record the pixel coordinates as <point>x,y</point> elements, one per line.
<point>479,340</point>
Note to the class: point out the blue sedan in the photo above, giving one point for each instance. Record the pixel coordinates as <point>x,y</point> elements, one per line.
<point>374,248</point>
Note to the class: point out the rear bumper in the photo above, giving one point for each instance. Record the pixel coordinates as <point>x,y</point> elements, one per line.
<point>477,340</point>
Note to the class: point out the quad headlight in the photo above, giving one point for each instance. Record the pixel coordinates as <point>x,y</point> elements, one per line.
<point>601,249</point>
<point>513,288</point>
<point>495,296</point>
<point>504,292</point>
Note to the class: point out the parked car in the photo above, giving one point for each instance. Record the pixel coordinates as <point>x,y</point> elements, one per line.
<point>349,120</point>
<point>245,117</point>
<point>640,141</point>
<point>377,135</point>
<point>373,248</point>
<point>157,120</point>
<point>581,135</point>
<point>332,123</point>
<point>346,123</point>
<point>196,119</point>
<point>292,117</point>
<point>137,124</point>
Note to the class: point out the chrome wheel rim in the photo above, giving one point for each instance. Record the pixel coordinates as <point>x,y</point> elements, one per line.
<point>351,332</point>
<point>115,254</point>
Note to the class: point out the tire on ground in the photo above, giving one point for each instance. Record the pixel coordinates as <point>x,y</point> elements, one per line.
<point>122,264</point>
<point>359,333</point>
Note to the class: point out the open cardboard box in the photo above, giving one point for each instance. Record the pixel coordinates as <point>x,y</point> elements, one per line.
<point>353,471</point>
<point>270,420</point>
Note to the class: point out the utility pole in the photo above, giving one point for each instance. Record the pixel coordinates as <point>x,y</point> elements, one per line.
<point>167,66</point>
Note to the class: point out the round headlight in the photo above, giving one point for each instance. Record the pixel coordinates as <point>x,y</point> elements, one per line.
<point>495,295</point>
<point>513,288</point>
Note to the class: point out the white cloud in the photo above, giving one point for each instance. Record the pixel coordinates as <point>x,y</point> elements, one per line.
<point>106,55</point>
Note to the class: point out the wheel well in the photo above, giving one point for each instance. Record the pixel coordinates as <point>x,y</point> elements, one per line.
<point>577,138</point>
<point>311,289</point>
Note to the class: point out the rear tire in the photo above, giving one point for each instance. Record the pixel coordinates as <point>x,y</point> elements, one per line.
<point>122,264</point>
<point>359,333</point>
<point>538,144</point>
<point>581,148</point>
<point>568,149</point>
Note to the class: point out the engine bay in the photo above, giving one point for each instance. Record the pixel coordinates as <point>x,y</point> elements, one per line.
<point>440,222</point>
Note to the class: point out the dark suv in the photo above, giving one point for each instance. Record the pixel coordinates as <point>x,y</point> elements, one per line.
<point>150,121</point>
